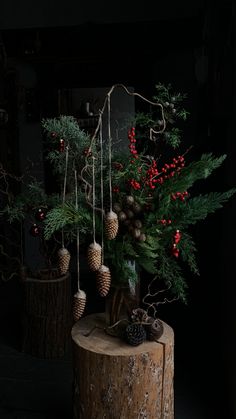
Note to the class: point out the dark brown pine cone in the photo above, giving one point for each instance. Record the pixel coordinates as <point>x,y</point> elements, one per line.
<point>139,315</point>
<point>154,330</point>
<point>135,334</point>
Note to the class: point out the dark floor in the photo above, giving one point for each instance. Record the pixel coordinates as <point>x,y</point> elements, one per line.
<point>32,388</point>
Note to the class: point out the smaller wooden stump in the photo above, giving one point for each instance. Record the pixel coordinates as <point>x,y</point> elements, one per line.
<point>47,316</point>
<point>114,380</point>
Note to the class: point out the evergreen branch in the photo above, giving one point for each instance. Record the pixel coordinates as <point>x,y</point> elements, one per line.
<point>59,217</point>
<point>188,252</point>
<point>169,270</point>
<point>184,179</point>
<point>199,207</point>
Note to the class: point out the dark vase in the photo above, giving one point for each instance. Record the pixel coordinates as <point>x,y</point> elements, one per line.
<point>120,302</point>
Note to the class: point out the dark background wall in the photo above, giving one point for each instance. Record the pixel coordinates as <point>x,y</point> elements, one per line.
<point>190,45</point>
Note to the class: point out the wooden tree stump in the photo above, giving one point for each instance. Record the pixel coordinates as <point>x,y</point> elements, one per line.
<point>114,380</point>
<point>47,316</point>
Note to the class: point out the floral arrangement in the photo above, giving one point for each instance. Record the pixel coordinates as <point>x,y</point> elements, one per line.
<point>133,208</point>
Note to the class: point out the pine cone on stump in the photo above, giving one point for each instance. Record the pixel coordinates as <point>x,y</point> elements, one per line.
<point>154,329</point>
<point>139,315</point>
<point>135,334</point>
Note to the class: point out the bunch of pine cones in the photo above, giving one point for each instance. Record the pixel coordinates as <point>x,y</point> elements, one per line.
<point>129,214</point>
<point>142,327</point>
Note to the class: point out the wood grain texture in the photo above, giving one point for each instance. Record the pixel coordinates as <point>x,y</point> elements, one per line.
<point>47,316</point>
<point>113,380</point>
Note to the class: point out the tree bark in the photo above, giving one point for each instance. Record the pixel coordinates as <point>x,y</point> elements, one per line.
<point>47,318</point>
<point>115,380</point>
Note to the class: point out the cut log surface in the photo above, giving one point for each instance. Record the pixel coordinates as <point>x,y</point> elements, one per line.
<point>113,380</point>
<point>47,316</point>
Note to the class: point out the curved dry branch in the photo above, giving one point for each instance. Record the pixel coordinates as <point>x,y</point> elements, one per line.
<point>152,131</point>
<point>154,305</point>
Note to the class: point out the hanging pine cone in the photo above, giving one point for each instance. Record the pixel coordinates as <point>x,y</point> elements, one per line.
<point>103,280</point>
<point>135,334</point>
<point>111,225</point>
<point>94,256</point>
<point>63,260</point>
<point>79,302</point>
<point>154,330</point>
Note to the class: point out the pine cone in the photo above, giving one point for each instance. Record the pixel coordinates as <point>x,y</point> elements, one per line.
<point>103,280</point>
<point>63,260</point>
<point>139,315</point>
<point>111,225</point>
<point>129,199</point>
<point>136,207</point>
<point>94,256</point>
<point>79,302</point>
<point>154,330</point>
<point>135,334</point>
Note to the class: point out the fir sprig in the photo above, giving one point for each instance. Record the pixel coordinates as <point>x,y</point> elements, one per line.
<point>169,270</point>
<point>64,215</point>
<point>188,252</point>
<point>198,208</point>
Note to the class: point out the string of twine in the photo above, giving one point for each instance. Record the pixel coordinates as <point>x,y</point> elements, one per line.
<point>109,145</point>
<point>64,192</point>
<point>77,235</point>
<point>94,200</point>
<point>102,193</point>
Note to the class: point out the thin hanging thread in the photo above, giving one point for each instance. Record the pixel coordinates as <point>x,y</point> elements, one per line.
<point>64,192</point>
<point>109,145</point>
<point>102,192</point>
<point>94,200</point>
<point>77,237</point>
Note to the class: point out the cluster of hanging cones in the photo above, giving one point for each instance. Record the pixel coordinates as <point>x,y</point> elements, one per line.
<point>94,255</point>
<point>79,299</point>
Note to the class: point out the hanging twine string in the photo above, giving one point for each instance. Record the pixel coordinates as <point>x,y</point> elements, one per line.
<point>77,236</point>
<point>94,201</point>
<point>64,191</point>
<point>102,192</point>
<point>109,145</point>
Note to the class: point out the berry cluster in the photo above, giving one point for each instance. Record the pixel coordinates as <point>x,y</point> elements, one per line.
<point>116,189</point>
<point>117,165</point>
<point>40,216</point>
<point>176,239</point>
<point>151,174</point>
<point>87,152</point>
<point>165,222</point>
<point>179,195</point>
<point>132,140</point>
<point>134,184</point>
<point>61,145</point>
<point>169,170</point>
